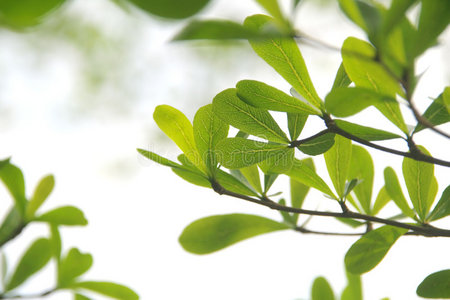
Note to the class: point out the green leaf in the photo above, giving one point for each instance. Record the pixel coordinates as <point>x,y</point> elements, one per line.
<point>337,160</point>
<point>64,215</point>
<point>341,79</point>
<point>55,242</point>
<point>436,285</point>
<point>299,190</point>
<point>284,56</point>
<point>349,186</point>
<point>251,173</point>
<point>80,297</point>
<point>366,133</point>
<point>382,199</point>
<point>12,226</point>
<point>255,121</point>
<point>395,192</point>
<point>72,266</point>
<point>351,222</point>
<point>213,233</point>
<point>261,95</point>
<point>193,177</point>
<point>158,159</point>
<point>3,268</point>
<point>361,168</point>
<point>318,145</point>
<point>351,9</point>
<point>278,163</point>
<point>236,153</point>
<point>394,15</point>
<point>269,179</point>
<point>296,122</point>
<point>179,129</point>
<point>442,208</point>
<point>436,114</point>
<point>34,259</point>
<point>287,217</point>
<point>321,290</point>
<point>446,98</point>
<point>110,289</point>
<point>208,131</point>
<point>370,249</point>
<point>302,172</point>
<point>231,183</point>
<point>171,9</point>
<point>272,7</point>
<point>25,13</point>
<point>418,178</point>
<point>41,193</point>
<point>12,177</point>
<point>353,290</point>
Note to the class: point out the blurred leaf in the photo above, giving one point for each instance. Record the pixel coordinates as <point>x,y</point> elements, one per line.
<point>272,7</point>
<point>269,179</point>
<point>3,269</point>
<point>25,13</point>
<point>55,242</point>
<point>251,173</point>
<point>351,9</point>
<point>208,131</point>
<point>296,122</point>
<point>321,290</point>
<point>436,113</point>
<point>42,191</point>
<point>158,159</point>
<point>278,163</point>
<point>337,160</point>
<point>236,153</point>
<point>418,178</point>
<point>395,192</point>
<point>351,222</point>
<point>446,98</point>
<point>80,297</point>
<point>285,57</point>
<point>341,79</point>
<point>64,215</point>
<point>370,249</point>
<point>353,290</point>
<point>261,95</point>
<point>318,145</point>
<point>12,177</point>
<point>302,172</point>
<point>394,15</point>
<point>34,259</point>
<point>442,208</point>
<point>287,217</point>
<point>12,225</point>
<point>382,199</point>
<point>171,9</point>
<point>217,232</point>
<point>110,289</point>
<point>179,129</point>
<point>361,168</point>
<point>299,190</point>
<point>231,183</point>
<point>436,285</point>
<point>73,265</point>
<point>255,121</point>
<point>366,133</point>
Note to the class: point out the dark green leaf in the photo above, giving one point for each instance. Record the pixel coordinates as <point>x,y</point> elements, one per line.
<point>34,259</point>
<point>442,208</point>
<point>279,163</point>
<point>337,160</point>
<point>261,95</point>
<point>341,79</point>
<point>382,199</point>
<point>73,265</point>
<point>231,183</point>
<point>395,192</point>
<point>12,225</point>
<point>64,215</point>
<point>12,177</point>
<point>353,290</point>
<point>318,145</point>
<point>361,168</point>
<point>366,133</point>
<point>296,122</point>
<point>42,191</point>
<point>171,9</point>
<point>110,289</point>
<point>285,57</point>
<point>371,248</point>
<point>236,153</point>
<point>436,285</point>
<point>255,121</point>
<point>321,290</point>
<point>25,13</point>
<point>435,114</point>
<point>217,232</point>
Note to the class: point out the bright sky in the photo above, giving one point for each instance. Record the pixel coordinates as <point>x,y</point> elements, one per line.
<point>137,209</point>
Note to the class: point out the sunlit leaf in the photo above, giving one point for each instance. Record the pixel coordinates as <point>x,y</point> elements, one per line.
<point>287,217</point>
<point>217,232</point>
<point>269,179</point>
<point>296,122</point>
<point>299,190</point>
<point>73,265</point>
<point>42,191</point>
<point>366,133</point>
<point>255,121</point>
<point>442,208</point>
<point>395,13</point>
<point>353,290</point>
<point>395,192</point>
<point>318,145</point>
<point>337,160</point>
<point>64,215</point>
<point>436,285</point>
<point>351,9</point>
<point>158,159</point>
<point>279,163</point>
<point>382,199</point>
<point>321,290</point>
<point>34,259</point>
<point>370,249</point>
<point>171,9</point>
<point>55,242</point>
<point>435,114</point>
<point>80,297</point>
<point>193,177</point>
<point>13,179</point>
<point>341,79</point>
<point>272,7</point>
<point>251,173</point>
<point>25,13</point>
<point>361,168</point>
<point>110,289</point>
<point>231,183</point>
<point>446,98</point>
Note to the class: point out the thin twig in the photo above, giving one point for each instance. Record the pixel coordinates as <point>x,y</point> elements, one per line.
<point>425,122</point>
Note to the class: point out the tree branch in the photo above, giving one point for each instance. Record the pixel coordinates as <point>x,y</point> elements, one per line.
<point>425,122</point>
<point>40,295</point>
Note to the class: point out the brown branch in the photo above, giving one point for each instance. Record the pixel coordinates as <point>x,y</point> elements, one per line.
<point>424,122</point>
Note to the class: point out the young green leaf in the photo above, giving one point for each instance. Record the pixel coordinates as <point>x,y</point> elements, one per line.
<point>318,145</point>
<point>251,173</point>
<point>353,290</point>
<point>12,225</point>
<point>287,217</point>
<point>442,208</point>
<point>272,7</point>
<point>337,160</point>
<point>382,199</point>
<point>436,285</point>
<point>179,129</point>
<point>22,14</point>
<point>12,177</point>
<point>366,133</point>
<point>42,191</point>
<point>261,95</point>
<point>34,259</point>
<point>208,131</point>
<point>321,290</point>
<point>236,153</point>
<point>217,232</point>
<point>269,179</point>
<point>110,289</point>
<point>193,177</point>
<point>72,266</point>
<point>341,80</point>
<point>158,159</point>
<point>353,12</point>
<point>361,168</point>
<point>283,55</point>
<point>395,192</point>
<point>171,9</point>
<point>255,121</point>
<point>55,242</point>
<point>64,215</point>
<point>435,114</point>
<point>296,122</point>
<point>299,190</point>
<point>279,163</point>
<point>302,172</point>
<point>233,184</point>
<point>418,178</point>
<point>371,248</point>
